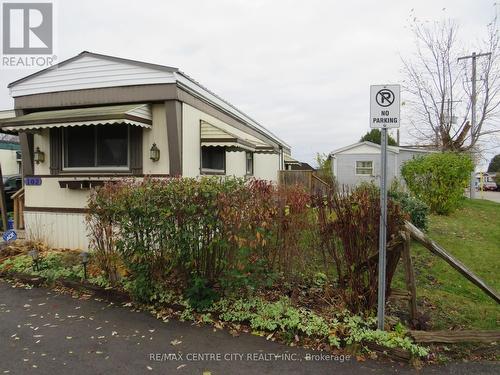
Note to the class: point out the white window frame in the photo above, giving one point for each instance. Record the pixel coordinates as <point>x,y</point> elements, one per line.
<point>365,168</point>
<point>246,161</point>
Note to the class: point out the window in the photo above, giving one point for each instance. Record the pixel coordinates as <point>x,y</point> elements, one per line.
<point>364,167</point>
<point>249,163</point>
<point>96,146</point>
<point>213,160</point>
<point>12,183</point>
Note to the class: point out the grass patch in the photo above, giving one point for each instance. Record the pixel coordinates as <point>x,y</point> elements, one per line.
<point>472,235</point>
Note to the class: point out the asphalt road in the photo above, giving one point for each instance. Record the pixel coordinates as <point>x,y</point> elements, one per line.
<point>43,332</point>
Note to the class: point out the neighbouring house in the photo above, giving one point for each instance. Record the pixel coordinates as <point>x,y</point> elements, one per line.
<point>360,162</point>
<point>95,118</point>
<point>10,150</point>
<point>10,157</point>
<point>292,164</point>
<point>486,180</point>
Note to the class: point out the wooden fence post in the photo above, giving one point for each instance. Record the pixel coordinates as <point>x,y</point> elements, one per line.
<point>434,248</point>
<point>410,277</point>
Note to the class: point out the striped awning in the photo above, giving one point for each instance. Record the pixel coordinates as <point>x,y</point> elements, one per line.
<point>132,114</point>
<point>216,137</point>
<point>289,160</point>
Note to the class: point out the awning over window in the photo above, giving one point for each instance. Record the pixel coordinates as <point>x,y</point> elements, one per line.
<point>132,114</point>
<point>289,160</point>
<point>214,136</point>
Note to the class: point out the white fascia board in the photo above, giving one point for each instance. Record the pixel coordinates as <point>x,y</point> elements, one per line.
<point>393,149</point>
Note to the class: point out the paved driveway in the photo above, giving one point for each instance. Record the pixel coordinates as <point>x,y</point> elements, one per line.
<point>42,332</point>
<point>489,195</point>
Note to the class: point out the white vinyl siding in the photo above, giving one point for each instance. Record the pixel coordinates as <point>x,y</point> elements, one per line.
<point>89,72</point>
<point>57,229</point>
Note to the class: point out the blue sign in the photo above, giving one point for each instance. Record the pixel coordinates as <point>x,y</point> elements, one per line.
<point>32,181</point>
<point>9,235</point>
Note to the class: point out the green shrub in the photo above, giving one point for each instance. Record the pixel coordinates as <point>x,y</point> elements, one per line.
<point>439,179</point>
<point>414,207</point>
<point>227,231</point>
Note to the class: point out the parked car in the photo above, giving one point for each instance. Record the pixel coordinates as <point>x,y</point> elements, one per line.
<point>11,184</point>
<point>489,185</point>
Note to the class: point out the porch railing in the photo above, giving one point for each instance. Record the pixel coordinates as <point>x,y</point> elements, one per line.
<point>18,198</point>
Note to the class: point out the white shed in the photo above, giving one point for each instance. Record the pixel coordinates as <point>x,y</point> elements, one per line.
<point>360,162</point>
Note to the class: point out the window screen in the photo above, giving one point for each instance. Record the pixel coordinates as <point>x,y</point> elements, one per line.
<point>213,159</point>
<point>79,142</point>
<point>96,146</point>
<point>364,167</point>
<point>112,145</point>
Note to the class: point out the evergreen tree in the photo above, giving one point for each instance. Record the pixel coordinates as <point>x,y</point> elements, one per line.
<point>494,164</point>
<point>375,136</point>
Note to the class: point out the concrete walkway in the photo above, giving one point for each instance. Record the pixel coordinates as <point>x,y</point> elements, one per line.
<point>42,332</point>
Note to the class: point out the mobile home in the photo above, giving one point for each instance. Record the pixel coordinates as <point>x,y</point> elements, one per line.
<point>95,118</point>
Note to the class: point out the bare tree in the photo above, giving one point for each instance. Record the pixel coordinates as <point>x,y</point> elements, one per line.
<point>438,87</point>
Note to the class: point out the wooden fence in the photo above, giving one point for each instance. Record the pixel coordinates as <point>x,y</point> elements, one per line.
<point>308,179</point>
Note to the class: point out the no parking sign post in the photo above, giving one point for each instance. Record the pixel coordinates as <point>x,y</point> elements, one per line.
<point>384,114</point>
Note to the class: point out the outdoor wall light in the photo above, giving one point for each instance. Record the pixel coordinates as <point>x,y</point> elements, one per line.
<point>154,153</point>
<point>85,259</point>
<point>39,156</point>
<point>35,256</point>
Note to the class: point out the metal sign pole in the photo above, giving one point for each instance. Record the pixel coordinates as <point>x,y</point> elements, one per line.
<point>384,114</point>
<point>383,230</point>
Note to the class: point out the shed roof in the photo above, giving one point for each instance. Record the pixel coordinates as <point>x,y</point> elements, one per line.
<point>393,149</point>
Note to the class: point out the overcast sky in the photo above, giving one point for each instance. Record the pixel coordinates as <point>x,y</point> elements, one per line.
<point>300,68</point>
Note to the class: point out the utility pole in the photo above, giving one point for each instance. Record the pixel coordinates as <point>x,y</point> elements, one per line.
<point>473,57</point>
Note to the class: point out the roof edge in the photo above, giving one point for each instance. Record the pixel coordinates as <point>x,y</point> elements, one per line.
<point>393,149</point>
